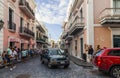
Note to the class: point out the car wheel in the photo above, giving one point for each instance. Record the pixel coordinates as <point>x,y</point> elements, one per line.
<point>115,72</point>
<point>49,65</point>
<point>66,66</point>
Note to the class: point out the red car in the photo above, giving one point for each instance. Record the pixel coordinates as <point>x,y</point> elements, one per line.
<point>108,60</point>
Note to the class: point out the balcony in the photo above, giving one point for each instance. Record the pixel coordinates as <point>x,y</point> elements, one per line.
<point>64,35</point>
<point>41,40</point>
<point>77,26</point>
<point>45,36</point>
<point>26,32</point>
<point>110,17</point>
<point>11,26</point>
<point>69,37</point>
<point>25,7</point>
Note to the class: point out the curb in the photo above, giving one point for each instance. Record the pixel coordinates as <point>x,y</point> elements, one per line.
<point>80,62</point>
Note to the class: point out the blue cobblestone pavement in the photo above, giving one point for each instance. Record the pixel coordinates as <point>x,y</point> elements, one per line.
<point>34,69</point>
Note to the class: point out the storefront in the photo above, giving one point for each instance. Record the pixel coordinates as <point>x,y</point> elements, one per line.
<point>13,42</point>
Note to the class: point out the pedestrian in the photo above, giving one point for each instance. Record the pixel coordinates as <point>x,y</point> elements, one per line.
<point>24,55</point>
<point>31,53</point>
<point>9,52</point>
<point>16,55</point>
<point>90,53</point>
<point>98,48</point>
<point>1,60</point>
<point>13,59</point>
<point>5,57</point>
<point>104,47</point>
<point>19,54</point>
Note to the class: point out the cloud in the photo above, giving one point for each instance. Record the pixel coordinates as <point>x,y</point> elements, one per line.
<point>52,11</point>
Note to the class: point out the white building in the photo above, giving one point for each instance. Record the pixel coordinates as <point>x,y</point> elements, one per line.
<point>1,31</point>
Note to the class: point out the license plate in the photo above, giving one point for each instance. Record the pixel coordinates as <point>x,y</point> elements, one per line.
<point>62,62</point>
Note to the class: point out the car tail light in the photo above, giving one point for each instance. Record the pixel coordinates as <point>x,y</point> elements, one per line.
<point>98,61</point>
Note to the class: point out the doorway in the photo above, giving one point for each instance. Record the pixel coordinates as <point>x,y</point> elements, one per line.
<point>22,46</point>
<point>81,47</point>
<point>12,44</point>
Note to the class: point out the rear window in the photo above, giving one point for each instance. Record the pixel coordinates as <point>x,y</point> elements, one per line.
<point>114,53</point>
<point>55,52</point>
<point>99,52</point>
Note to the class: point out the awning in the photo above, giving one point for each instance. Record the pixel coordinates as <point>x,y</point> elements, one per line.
<point>24,41</point>
<point>12,39</point>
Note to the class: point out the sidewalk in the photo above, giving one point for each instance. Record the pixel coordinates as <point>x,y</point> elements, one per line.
<point>27,59</point>
<point>80,62</point>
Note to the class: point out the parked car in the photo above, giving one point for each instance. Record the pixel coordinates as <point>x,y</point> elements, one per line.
<point>108,60</point>
<point>54,57</point>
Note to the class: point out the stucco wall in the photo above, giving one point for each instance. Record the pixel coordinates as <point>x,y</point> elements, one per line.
<point>102,37</point>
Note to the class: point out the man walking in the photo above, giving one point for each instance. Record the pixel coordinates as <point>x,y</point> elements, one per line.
<point>90,53</point>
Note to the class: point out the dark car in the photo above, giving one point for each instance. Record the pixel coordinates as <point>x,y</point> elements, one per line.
<point>54,57</point>
<point>108,60</point>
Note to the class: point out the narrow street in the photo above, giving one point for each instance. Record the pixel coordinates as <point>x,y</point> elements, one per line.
<point>34,69</point>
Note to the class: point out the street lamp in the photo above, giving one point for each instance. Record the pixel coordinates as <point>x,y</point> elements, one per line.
<point>1,24</point>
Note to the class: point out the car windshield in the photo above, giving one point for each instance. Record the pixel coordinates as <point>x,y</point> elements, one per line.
<point>62,51</point>
<point>99,52</point>
<point>55,52</point>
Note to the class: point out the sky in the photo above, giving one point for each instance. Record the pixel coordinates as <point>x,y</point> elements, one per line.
<point>52,13</point>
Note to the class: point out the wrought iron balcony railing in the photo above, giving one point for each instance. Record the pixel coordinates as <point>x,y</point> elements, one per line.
<point>40,40</point>
<point>27,32</point>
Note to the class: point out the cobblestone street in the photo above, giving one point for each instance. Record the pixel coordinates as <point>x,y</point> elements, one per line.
<point>34,69</point>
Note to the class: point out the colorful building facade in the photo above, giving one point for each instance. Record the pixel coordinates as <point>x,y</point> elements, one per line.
<point>19,16</point>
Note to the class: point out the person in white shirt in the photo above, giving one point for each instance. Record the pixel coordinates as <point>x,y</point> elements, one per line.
<point>12,59</point>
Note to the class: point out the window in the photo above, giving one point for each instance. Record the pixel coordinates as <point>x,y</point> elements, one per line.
<point>55,52</point>
<point>76,47</point>
<point>81,13</point>
<point>10,17</point>
<point>114,53</point>
<point>75,44</point>
<point>32,29</point>
<point>99,52</point>
<point>12,44</point>
<point>116,3</point>
<point>116,40</point>
<point>37,34</point>
<point>28,25</point>
<point>21,22</point>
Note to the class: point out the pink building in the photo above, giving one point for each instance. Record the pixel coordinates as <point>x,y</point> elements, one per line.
<point>19,23</point>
